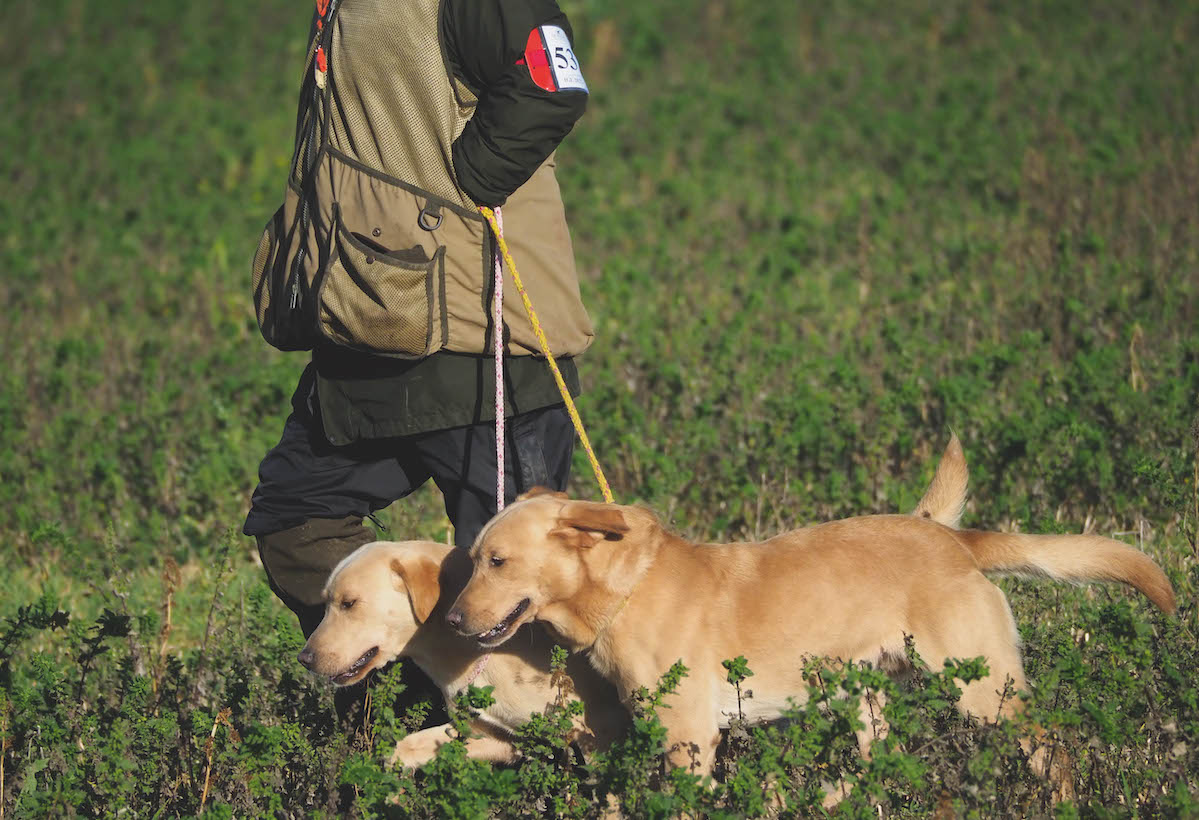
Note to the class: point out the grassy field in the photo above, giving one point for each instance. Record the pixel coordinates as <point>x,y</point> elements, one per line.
<point>813,240</point>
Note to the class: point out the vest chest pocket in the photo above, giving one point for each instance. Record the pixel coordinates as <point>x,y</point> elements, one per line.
<point>380,300</point>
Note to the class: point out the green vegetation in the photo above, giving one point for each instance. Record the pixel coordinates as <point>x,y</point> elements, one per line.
<point>813,240</point>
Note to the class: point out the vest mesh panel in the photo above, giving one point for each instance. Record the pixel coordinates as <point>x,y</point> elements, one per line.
<point>263,257</point>
<point>385,111</point>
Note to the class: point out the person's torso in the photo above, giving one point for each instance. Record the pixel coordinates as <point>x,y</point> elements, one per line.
<point>376,247</point>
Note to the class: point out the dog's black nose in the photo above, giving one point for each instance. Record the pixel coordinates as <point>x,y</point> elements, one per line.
<point>455,618</point>
<point>306,657</point>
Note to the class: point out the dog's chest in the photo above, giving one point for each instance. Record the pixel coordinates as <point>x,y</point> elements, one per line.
<point>517,696</point>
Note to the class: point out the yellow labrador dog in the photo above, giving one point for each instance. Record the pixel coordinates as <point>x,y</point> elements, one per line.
<point>612,580</point>
<point>385,601</point>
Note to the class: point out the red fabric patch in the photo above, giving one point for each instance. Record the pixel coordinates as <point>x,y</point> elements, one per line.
<point>539,62</point>
<point>322,7</point>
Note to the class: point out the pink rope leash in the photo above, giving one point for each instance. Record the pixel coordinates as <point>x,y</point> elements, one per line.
<point>475,670</point>
<point>498,333</point>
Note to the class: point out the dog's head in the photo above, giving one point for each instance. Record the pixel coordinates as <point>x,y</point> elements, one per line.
<point>528,557</point>
<point>375,600</point>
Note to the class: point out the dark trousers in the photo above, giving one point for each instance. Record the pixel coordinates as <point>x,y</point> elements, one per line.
<point>312,496</point>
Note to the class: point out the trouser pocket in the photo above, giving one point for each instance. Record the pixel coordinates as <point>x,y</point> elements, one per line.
<point>380,300</point>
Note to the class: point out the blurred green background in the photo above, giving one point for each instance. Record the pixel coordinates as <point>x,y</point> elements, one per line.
<point>814,239</point>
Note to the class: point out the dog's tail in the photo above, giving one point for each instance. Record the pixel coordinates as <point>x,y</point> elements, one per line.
<point>945,498</point>
<point>1073,558</point>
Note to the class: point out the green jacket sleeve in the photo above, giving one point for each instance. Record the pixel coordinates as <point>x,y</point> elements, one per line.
<point>517,123</point>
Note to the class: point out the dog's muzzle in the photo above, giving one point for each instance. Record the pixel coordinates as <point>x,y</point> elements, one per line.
<point>499,632</point>
<point>355,668</point>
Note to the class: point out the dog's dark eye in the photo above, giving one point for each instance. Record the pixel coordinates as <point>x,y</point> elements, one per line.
<point>348,604</point>
<point>496,561</point>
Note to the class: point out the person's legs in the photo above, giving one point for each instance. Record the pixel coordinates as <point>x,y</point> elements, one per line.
<point>539,445</point>
<point>307,514</point>
<point>307,510</point>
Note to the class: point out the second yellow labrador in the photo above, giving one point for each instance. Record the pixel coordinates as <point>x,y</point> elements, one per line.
<point>610,579</point>
<point>384,601</point>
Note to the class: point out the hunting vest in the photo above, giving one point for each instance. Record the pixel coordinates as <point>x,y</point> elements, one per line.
<point>376,248</point>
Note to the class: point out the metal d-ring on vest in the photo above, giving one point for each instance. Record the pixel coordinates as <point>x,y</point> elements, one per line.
<point>429,217</point>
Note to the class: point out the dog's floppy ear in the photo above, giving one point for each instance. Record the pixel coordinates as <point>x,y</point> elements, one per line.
<point>583,523</point>
<point>420,575</point>
<point>536,491</point>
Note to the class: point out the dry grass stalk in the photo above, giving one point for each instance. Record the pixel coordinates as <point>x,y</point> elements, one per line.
<point>171,578</point>
<point>210,747</point>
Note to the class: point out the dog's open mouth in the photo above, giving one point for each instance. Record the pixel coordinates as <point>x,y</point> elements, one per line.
<point>356,667</point>
<point>496,635</point>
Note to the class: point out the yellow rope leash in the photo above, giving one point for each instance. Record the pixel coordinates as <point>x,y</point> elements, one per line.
<point>545,348</point>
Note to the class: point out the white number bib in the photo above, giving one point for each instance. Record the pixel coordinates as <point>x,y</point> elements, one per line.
<point>567,74</point>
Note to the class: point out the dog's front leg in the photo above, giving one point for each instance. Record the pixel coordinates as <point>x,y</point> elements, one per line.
<point>692,735</point>
<point>419,748</point>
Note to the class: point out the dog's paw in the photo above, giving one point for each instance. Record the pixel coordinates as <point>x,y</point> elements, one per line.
<point>412,752</point>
